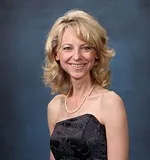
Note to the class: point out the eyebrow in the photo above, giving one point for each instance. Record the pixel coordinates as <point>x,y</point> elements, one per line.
<point>66,44</point>
<point>72,44</point>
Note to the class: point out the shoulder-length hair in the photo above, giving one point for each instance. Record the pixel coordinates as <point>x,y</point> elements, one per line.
<point>87,29</point>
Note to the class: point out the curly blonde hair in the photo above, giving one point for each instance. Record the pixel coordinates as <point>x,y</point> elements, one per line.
<point>88,30</point>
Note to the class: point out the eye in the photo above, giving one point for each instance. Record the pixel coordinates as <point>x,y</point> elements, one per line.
<point>67,48</point>
<point>87,48</point>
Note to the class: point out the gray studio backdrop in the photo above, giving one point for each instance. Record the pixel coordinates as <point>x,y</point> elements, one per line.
<point>24,26</point>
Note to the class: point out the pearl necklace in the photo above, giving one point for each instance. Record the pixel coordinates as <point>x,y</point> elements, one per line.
<point>71,112</point>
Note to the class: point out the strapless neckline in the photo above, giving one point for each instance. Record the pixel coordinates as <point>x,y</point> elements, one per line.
<point>80,116</point>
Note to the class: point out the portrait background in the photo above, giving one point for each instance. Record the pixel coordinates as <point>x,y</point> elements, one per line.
<point>24,26</point>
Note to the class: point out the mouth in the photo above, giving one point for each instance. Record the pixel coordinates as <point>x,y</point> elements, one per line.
<point>77,66</point>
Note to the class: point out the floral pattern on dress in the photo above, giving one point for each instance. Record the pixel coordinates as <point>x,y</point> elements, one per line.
<point>79,138</point>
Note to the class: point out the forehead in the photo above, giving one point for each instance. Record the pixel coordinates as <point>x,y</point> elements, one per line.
<point>70,36</point>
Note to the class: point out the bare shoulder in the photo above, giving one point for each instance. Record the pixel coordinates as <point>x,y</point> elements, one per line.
<point>112,99</point>
<point>54,104</point>
<point>113,106</point>
<point>53,110</point>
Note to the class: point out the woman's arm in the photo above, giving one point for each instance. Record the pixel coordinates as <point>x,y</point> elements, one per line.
<point>50,125</point>
<point>52,112</point>
<point>115,120</point>
<point>51,156</point>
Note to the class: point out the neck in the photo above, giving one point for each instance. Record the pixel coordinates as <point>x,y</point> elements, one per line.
<point>80,88</point>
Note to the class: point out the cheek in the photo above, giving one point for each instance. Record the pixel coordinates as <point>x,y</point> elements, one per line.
<point>90,57</point>
<point>63,57</point>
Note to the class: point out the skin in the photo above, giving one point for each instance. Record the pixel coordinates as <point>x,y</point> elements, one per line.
<point>77,58</point>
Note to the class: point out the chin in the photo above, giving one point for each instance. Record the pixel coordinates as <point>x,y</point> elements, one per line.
<point>77,77</point>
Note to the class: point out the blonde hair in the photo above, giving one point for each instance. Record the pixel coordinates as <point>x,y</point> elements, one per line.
<point>88,30</point>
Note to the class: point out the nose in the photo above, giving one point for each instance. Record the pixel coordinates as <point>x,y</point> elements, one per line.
<point>76,54</point>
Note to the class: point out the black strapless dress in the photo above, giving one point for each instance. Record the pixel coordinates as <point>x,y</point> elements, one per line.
<point>79,138</point>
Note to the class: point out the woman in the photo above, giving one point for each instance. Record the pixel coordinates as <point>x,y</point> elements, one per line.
<point>86,120</point>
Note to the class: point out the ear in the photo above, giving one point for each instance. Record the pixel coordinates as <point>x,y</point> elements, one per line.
<point>57,56</point>
<point>96,57</point>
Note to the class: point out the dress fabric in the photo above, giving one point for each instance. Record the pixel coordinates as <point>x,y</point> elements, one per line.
<point>79,138</point>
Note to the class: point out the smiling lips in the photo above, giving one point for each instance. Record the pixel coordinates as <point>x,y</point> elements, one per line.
<point>77,66</point>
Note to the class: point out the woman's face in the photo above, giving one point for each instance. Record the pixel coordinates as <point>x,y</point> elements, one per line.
<point>76,57</point>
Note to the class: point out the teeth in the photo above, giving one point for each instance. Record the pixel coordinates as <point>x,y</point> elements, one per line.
<point>77,65</point>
